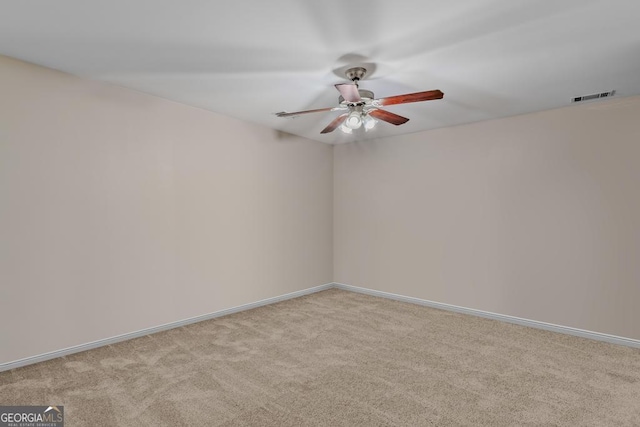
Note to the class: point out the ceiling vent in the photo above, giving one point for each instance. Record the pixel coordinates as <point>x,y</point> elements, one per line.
<point>593,96</point>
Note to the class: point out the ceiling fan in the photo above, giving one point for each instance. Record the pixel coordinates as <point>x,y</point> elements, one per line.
<point>360,106</point>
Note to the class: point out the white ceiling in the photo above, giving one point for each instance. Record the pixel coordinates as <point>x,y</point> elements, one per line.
<point>249,59</point>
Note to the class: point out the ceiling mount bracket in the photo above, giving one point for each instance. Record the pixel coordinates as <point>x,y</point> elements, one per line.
<point>355,74</point>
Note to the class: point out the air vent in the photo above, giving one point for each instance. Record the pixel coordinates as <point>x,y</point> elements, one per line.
<point>593,96</point>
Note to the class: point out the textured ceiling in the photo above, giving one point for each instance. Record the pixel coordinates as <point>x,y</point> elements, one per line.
<point>250,59</point>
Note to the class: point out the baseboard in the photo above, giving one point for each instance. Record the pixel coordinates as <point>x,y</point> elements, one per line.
<point>99,343</point>
<point>613,339</point>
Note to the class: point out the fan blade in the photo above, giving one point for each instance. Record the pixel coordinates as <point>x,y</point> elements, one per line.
<point>411,97</point>
<point>349,92</point>
<point>297,113</point>
<point>388,117</point>
<point>335,123</point>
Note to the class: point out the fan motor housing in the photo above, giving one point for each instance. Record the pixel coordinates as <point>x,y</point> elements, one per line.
<point>365,94</point>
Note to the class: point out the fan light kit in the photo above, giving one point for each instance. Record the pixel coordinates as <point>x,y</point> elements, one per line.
<point>360,107</point>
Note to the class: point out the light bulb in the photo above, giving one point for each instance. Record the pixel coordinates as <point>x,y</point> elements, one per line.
<point>345,129</point>
<point>369,122</point>
<point>354,121</point>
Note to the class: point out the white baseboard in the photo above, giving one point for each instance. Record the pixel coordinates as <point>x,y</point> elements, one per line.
<point>613,339</point>
<point>99,343</point>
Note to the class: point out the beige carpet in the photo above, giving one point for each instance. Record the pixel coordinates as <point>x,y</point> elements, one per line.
<point>340,358</point>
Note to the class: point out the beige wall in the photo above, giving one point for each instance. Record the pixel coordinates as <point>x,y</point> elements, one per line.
<point>536,216</point>
<point>121,211</point>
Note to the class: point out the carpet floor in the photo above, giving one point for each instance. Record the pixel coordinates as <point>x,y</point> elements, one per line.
<point>338,358</point>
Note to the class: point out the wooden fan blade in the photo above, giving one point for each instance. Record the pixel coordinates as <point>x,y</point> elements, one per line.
<point>388,117</point>
<point>297,113</point>
<point>411,97</point>
<point>335,123</point>
<point>349,92</point>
